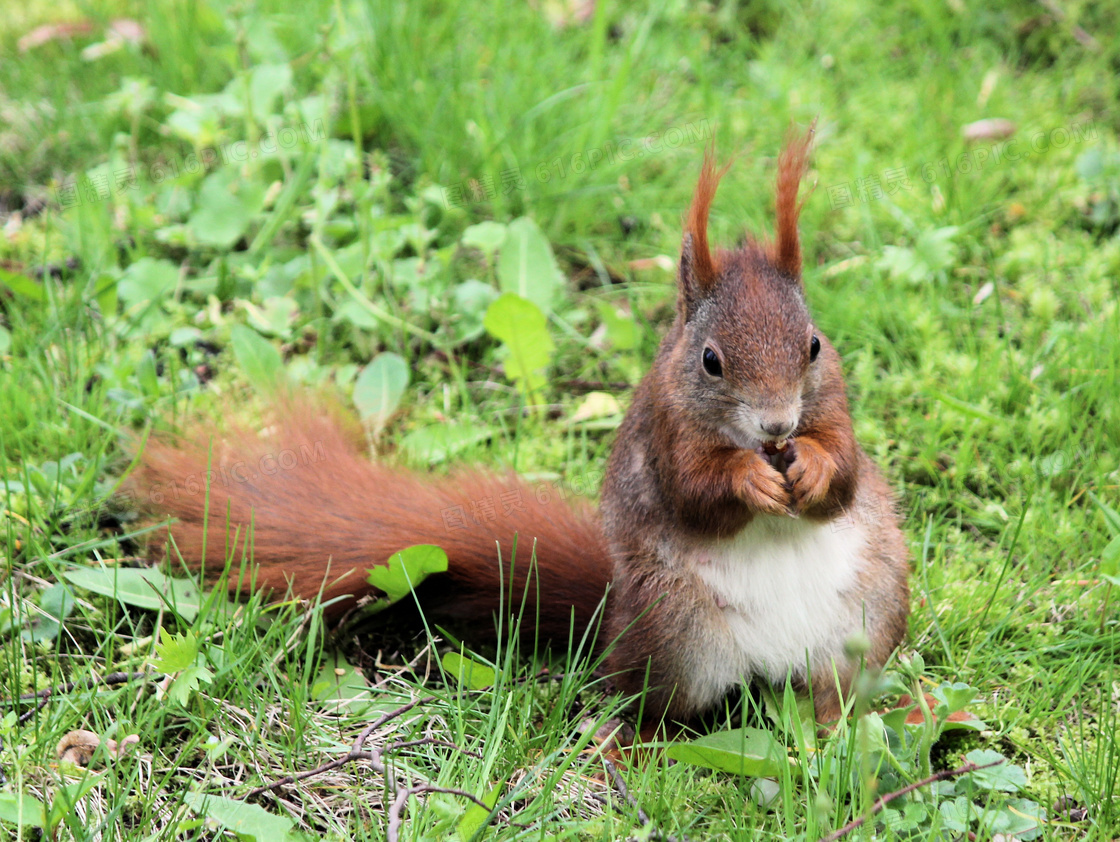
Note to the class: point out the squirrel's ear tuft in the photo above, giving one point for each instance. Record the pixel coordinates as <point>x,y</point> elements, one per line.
<point>698,270</point>
<point>791,167</point>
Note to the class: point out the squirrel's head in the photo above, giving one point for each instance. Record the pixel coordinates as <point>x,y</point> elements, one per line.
<point>745,348</point>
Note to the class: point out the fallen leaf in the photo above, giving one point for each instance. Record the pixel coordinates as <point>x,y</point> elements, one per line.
<point>78,746</point>
<point>53,32</point>
<point>915,716</point>
<point>128,29</point>
<point>564,13</point>
<point>991,129</point>
<point>596,405</point>
<point>983,293</point>
<point>119,33</point>
<point>662,261</point>
<point>120,749</point>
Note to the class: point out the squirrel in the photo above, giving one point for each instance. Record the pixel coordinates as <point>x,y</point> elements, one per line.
<point>742,533</point>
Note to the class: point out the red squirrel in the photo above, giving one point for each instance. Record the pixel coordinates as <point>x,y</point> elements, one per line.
<point>743,532</point>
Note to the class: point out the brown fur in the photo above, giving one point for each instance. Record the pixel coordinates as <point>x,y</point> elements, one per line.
<point>791,169</point>
<point>706,266</point>
<point>334,514</point>
<point>676,478</point>
<point>686,470</point>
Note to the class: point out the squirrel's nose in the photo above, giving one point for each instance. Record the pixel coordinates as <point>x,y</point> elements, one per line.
<point>778,429</point>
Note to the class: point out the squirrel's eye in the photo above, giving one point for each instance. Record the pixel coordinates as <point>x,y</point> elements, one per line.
<point>712,364</point>
<point>814,348</point>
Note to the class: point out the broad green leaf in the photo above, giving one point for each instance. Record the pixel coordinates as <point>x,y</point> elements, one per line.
<point>144,587</point>
<point>1111,516</point>
<point>5,340</point>
<point>468,672</point>
<point>746,751</point>
<point>487,237</point>
<point>765,792</point>
<point>470,300</point>
<point>22,285</point>
<point>353,312</point>
<point>147,279</point>
<point>1110,561</point>
<point>55,604</point>
<point>22,809</point>
<point>266,83</point>
<point>596,405</point>
<point>341,687</point>
<point>248,821</point>
<point>188,682</point>
<point>57,601</point>
<point>1110,555</point>
<point>274,317</point>
<point>176,652</point>
<point>872,734</point>
<point>909,818</point>
<point>1090,164</point>
<point>1006,777</point>
<point>1016,819</point>
<point>184,336</point>
<point>474,819</point>
<point>521,326</point>
<point>147,374</point>
<point>622,330</point>
<point>895,719</point>
<point>932,254</point>
<point>226,206</point>
<point>956,696</point>
<point>257,357</point>
<point>407,569</point>
<point>526,266</point>
<point>104,287</point>
<point>958,814</point>
<point>973,724</point>
<point>380,387</point>
<point>440,443</point>
<point>198,124</point>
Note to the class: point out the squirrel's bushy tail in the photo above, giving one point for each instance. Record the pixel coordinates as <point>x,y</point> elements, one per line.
<point>317,514</point>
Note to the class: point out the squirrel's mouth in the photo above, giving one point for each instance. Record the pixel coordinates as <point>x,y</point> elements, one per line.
<point>757,440</point>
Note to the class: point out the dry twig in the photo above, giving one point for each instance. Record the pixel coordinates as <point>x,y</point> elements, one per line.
<point>374,757</point>
<point>357,752</point>
<point>882,802</point>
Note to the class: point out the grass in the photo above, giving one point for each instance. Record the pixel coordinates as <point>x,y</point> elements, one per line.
<point>974,305</point>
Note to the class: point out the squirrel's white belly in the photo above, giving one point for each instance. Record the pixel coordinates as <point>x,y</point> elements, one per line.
<point>783,589</point>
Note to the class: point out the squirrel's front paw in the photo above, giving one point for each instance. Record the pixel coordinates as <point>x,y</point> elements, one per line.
<point>810,475</point>
<point>761,487</point>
